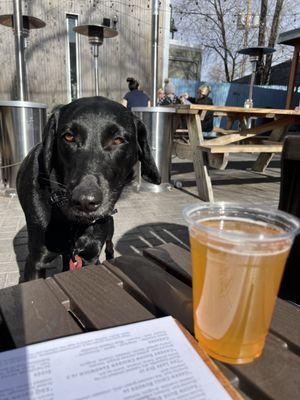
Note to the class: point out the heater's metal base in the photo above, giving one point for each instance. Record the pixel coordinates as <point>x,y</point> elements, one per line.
<point>149,187</point>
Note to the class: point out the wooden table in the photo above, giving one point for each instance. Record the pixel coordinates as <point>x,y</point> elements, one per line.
<point>215,152</point>
<point>135,288</point>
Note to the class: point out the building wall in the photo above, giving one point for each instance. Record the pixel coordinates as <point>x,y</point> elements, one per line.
<point>184,61</point>
<point>128,54</point>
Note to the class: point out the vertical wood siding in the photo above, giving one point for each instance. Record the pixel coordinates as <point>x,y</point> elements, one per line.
<point>128,54</point>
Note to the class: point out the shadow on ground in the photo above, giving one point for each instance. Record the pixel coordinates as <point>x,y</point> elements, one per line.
<point>134,241</point>
<point>236,173</point>
<point>186,167</point>
<point>141,237</point>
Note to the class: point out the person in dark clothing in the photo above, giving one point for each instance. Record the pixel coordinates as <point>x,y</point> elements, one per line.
<point>208,122</point>
<point>135,97</point>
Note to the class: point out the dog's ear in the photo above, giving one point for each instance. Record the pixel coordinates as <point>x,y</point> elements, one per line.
<point>149,170</point>
<point>48,140</point>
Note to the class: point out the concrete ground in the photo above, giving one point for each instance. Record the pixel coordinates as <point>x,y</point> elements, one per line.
<point>148,219</point>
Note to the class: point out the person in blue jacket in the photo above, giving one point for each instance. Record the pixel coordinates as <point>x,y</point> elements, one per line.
<point>135,97</point>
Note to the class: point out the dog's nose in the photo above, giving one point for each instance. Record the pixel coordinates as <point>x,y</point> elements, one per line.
<point>86,202</point>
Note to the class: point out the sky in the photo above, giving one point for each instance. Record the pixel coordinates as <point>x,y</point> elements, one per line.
<point>189,26</point>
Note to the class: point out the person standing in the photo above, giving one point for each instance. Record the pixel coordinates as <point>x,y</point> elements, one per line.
<point>135,97</point>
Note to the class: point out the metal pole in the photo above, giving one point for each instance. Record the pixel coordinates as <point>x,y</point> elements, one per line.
<point>96,55</point>
<point>254,63</point>
<point>154,55</point>
<point>246,34</point>
<point>19,50</point>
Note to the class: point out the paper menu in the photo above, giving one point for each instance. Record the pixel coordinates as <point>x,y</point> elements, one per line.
<point>150,360</point>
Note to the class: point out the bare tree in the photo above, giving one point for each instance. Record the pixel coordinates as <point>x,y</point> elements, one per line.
<point>216,73</point>
<point>223,27</point>
<point>264,67</point>
<point>261,39</point>
<point>215,23</point>
<point>272,40</point>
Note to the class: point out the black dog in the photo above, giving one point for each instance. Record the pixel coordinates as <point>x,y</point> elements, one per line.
<point>69,184</point>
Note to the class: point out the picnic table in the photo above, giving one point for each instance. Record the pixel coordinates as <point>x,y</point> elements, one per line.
<point>215,152</point>
<point>135,288</point>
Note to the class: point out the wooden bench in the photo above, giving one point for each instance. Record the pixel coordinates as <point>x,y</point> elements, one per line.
<point>134,288</point>
<point>242,148</point>
<point>215,152</point>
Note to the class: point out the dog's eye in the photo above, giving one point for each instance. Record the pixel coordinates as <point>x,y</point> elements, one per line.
<point>69,137</point>
<point>118,140</point>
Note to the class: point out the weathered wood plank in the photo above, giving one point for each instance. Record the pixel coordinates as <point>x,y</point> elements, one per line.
<point>97,300</point>
<point>243,148</point>
<point>203,180</point>
<point>174,259</point>
<point>218,129</point>
<point>131,287</point>
<point>33,314</point>
<point>240,110</point>
<point>218,160</point>
<point>236,136</point>
<point>58,293</point>
<point>264,158</point>
<point>286,324</point>
<point>168,294</point>
<point>182,150</point>
<point>274,375</point>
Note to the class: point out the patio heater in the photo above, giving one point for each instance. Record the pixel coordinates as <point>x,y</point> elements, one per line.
<point>96,34</point>
<point>21,121</point>
<point>255,54</point>
<point>29,23</point>
<point>21,35</point>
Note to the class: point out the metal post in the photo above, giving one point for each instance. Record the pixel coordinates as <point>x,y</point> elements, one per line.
<point>19,50</point>
<point>166,44</point>
<point>254,64</point>
<point>246,34</point>
<point>154,55</point>
<point>96,56</point>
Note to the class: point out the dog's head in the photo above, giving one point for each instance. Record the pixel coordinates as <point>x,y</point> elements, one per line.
<point>90,147</point>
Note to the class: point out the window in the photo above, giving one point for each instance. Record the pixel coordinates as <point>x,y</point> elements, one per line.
<point>72,58</point>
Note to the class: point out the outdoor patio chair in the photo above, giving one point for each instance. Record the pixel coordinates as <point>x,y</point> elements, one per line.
<point>290,202</point>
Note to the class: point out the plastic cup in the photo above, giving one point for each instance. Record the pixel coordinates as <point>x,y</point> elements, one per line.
<point>238,258</point>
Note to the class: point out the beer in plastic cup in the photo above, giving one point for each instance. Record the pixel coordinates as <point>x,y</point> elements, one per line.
<point>238,258</point>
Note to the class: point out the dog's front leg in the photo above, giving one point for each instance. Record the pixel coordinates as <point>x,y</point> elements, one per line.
<point>109,246</point>
<point>109,250</point>
<point>37,263</point>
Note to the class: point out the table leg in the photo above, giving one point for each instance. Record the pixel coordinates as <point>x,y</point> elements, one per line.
<point>220,160</point>
<point>203,180</point>
<point>264,159</point>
